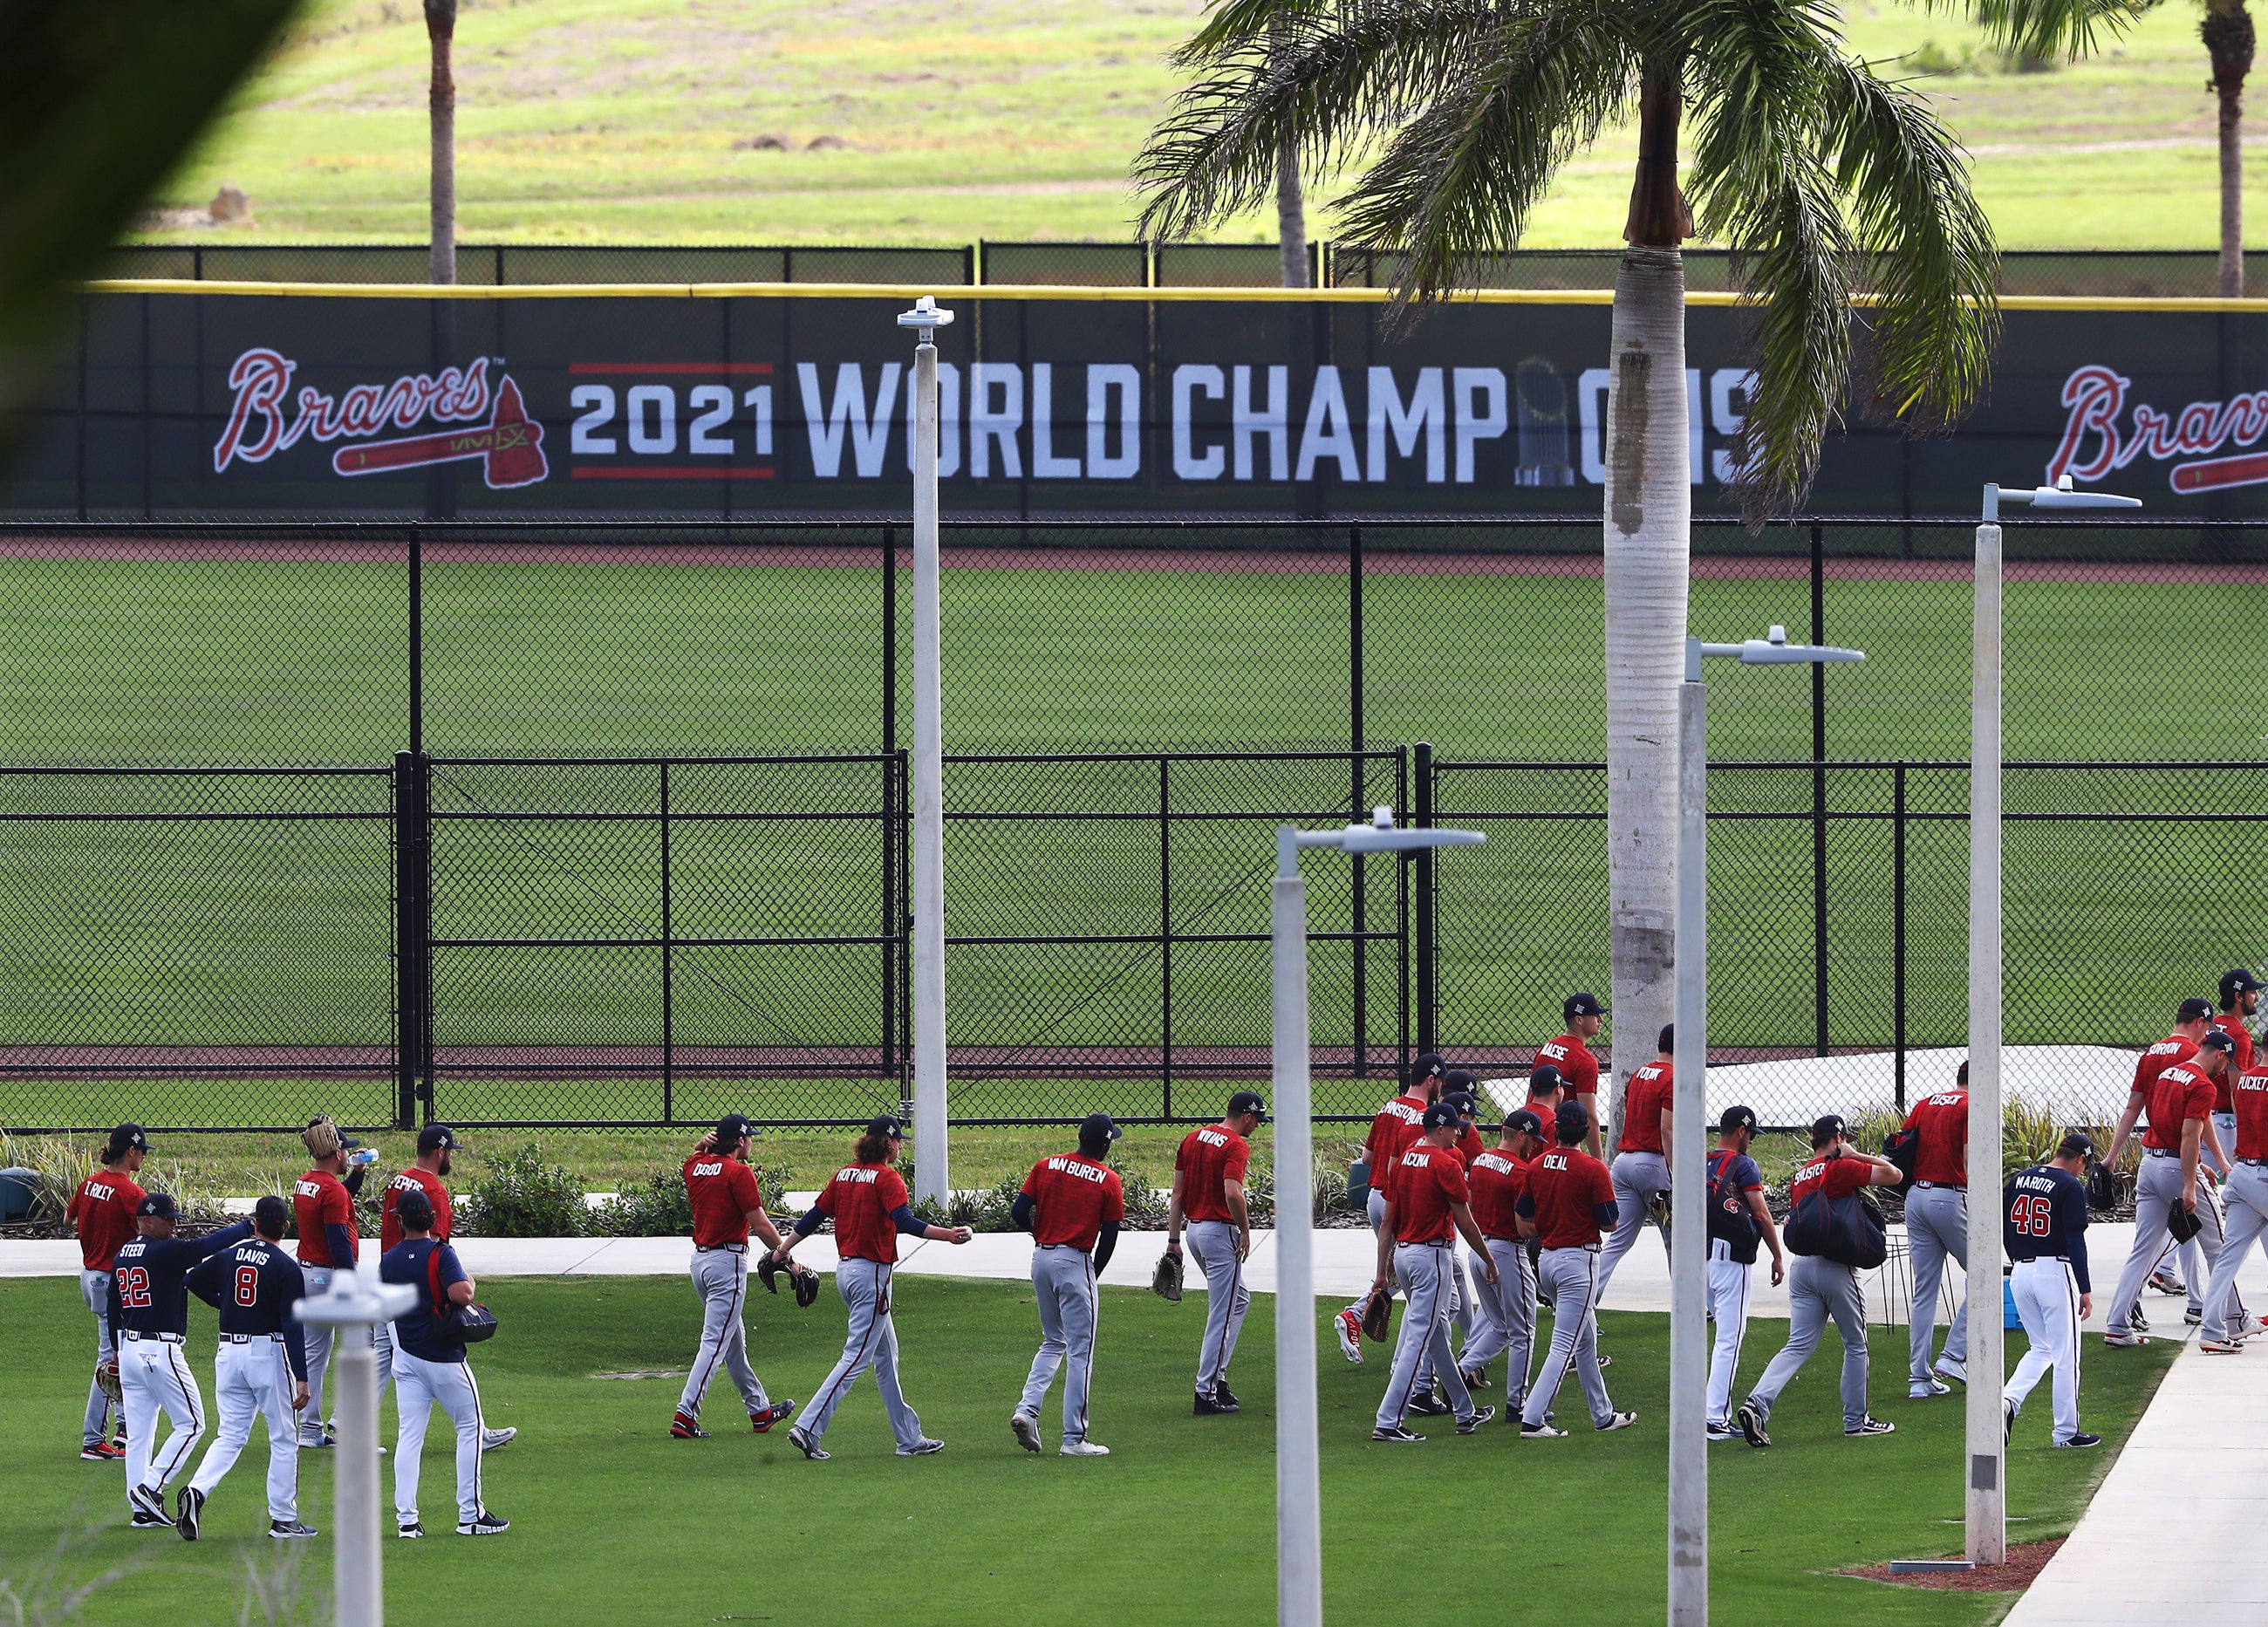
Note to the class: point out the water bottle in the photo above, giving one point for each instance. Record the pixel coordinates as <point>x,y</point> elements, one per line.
<point>362,1158</point>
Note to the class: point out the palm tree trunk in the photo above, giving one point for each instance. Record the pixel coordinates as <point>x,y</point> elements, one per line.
<point>2227,33</point>
<point>1649,501</point>
<point>1291,204</point>
<point>441,30</point>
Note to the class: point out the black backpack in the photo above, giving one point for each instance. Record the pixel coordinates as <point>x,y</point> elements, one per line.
<point>1904,1149</point>
<point>1729,1219</point>
<point>1847,1230</point>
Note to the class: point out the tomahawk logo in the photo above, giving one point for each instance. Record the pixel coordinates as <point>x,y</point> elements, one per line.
<point>509,446</point>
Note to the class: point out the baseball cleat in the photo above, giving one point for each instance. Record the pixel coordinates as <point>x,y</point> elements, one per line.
<point>1872,1425</point>
<point>2166,1283</point>
<point>2221,1347</point>
<point>779,1413</point>
<point>188,1507</point>
<point>1472,1425</point>
<point>1206,1406</point>
<point>923,1447</point>
<point>1928,1389</point>
<point>1348,1326</point>
<point>1027,1431</point>
<point>1429,1405</point>
<point>2081,1439</point>
<point>1082,1448</point>
<point>409,1530</point>
<point>1605,1361</point>
<point>1398,1435</point>
<point>2124,1341</point>
<point>2135,1319</point>
<point>1750,1418</point>
<point>483,1524</point>
<point>1951,1367</point>
<point>2009,1421</point>
<point>1620,1420</point>
<point>1720,1430</point>
<point>683,1428</point>
<point>148,1500</point>
<point>2193,1318</point>
<point>491,1438</point>
<point>286,1529</point>
<point>149,1523</point>
<point>1540,1432</point>
<point>101,1451</point>
<point>806,1445</point>
<point>1222,1395</point>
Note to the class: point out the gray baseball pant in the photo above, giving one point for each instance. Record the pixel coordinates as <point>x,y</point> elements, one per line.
<point>2157,1189</point>
<point>1505,1314</point>
<point>1818,1289</point>
<point>720,1276</point>
<point>1423,1271</point>
<point>1937,1225</point>
<point>1570,1282</point>
<point>320,1340</point>
<point>94,1288</point>
<point>1063,1283</point>
<point>2244,1222</point>
<point>871,1341</point>
<point>1213,1245</point>
<point>1638,1176</point>
<point>1461,1319</point>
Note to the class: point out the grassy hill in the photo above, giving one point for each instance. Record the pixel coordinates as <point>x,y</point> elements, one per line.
<point>914,120</point>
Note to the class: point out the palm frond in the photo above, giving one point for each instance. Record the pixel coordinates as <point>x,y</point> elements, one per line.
<point>2064,29</point>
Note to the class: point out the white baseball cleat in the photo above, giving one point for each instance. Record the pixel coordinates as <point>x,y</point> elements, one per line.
<point>491,1438</point>
<point>1349,1327</point>
<point>1083,1448</point>
<point>1952,1367</point>
<point>1027,1430</point>
<point>2124,1341</point>
<point>922,1447</point>
<point>1925,1390</point>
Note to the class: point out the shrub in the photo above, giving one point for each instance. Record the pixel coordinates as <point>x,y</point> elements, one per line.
<point>521,1196</point>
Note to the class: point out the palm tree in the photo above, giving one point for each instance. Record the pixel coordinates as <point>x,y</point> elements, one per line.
<point>1815,169</point>
<point>2227,33</point>
<point>441,109</point>
<point>1291,202</point>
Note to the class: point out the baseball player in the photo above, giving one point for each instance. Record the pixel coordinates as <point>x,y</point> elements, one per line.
<point>2044,1227</point>
<point>430,1372</point>
<point>1737,1219</point>
<point>1392,1128</point>
<point>1460,1090</point>
<point>2179,1102</point>
<point>323,1200</point>
<point>1073,1204</point>
<point>1937,1225</point>
<point>726,1207</point>
<point>258,1370</point>
<point>149,1319</point>
<point>1819,1288</point>
<point>1570,1198</point>
<point>103,1211</point>
<point>868,1203</point>
<point>2240,998</point>
<point>2245,1196</point>
<point>1505,1309</point>
<point>1208,1196</point>
<point>1571,1054</point>
<point>435,1143</point>
<point>2191,1021</point>
<point>1641,1166</point>
<point>1427,1197</point>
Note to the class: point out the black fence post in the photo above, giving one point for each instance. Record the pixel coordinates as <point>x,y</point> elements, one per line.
<point>889,638</point>
<point>417,657</point>
<point>1165,938</point>
<point>1898,923</point>
<point>1359,983</point>
<point>1819,789</point>
<point>668,1014</point>
<point>1402,930</point>
<point>1421,794</point>
<point>413,984</point>
<point>890,916</point>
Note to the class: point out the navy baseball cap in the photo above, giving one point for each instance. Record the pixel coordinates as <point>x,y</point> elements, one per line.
<point>1584,1004</point>
<point>128,1137</point>
<point>880,1124</point>
<point>414,1210</point>
<point>733,1126</point>
<point>1438,1114</point>
<point>1570,1120</point>
<point>1826,1128</point>
<point>433,1138</point>
<point>272,1210</point>
<point>1459,1079</point>
<point>1099,1127</point>
<point>2079,1144</point>
<point>2217,1039</point>
<point>1736,1118</point>
<point>1545,1077</point>
<point>1428,1066</point>
<point>1463,1103</point>
<point>1961,1074</point>
<point>1525,1123</point>
<point>2235,982</point>
<point>1247,1102</point>
<point>2194,1009</point>
<point>157,1206</point>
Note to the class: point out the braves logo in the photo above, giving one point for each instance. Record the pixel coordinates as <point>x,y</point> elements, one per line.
<point>509,446</point>
<point>2094,443</point>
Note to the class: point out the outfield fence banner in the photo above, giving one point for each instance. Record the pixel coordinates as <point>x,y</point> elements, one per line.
<point>604,823</point>
<point>1055,403</point>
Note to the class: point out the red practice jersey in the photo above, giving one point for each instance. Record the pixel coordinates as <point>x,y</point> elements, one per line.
<point>1394,1127</point>
<point>2251,1095</point>
<point>103,1209</point>
<point>1642,1109</point>
<point>1496,1179</point>
<point>2179,1092</point>
<point>1073,1197</point>
<point>2173,1049</point>
<point>1209,1157</point>
<point>319,1200</point>
<point>414,1180</point>
<point>860,1200</point>
<point>1576,1065</point>
<point>2240,1062</point>
<point>1565,1185</point>
<point>1841,1177</point>
<point>1941,1121</point>
<point>722,1191</point>
<point>1427,1182</point>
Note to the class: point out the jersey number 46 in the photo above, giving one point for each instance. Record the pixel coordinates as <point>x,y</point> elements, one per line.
<point>2033,1217</point>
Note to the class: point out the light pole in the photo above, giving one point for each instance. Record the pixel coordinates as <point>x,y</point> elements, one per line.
<point>1298,1491</point>
<point>1987,1496</point>
<point>1689,1243</point>
<point>930,1175</point>
<point>357,1303</point>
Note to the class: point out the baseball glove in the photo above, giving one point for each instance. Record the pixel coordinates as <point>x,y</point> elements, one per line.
<point>2183,1224</point>
<point>1377,1316</point>
<point>105,1379</point>
<point>2102,1189</point>
<point>807,1287</point>
<point>801,1278</point>
<point>1165,1281</point>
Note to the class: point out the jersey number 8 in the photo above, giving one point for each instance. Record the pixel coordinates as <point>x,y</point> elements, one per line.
<point>134,1288</point>
<point>247,1285</point>
<point>2032,1215</point>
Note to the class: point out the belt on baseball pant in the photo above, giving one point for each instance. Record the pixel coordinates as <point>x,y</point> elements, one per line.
<point>2256,1163</point>
<point>251,1338</point>
<point>2159,1153</point>
<point>1074,1247</point>
<point>2041,1259</point>
<point>720,1248</point>
<point>1421,1242</point>
<point>1940,1186</point>
<point>1568,1248</point>
<point>161,1338</point>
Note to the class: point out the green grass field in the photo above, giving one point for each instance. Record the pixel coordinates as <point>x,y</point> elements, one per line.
<point>621,121</point>
<point>612,1519</point>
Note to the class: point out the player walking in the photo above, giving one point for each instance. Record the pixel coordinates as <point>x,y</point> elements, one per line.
<point>868,1203</point>
<point>2246,1197</point>
<point>726,1207</point>
<point>2044,1227</point>
<point>1459,1091</point>
<point>1571,1054</point>
<point>1937,1226</point>
<point>103,1211</point>
<point>2240,998</point>
<point>1392,1128</point>
<point>259,1369</point>
<point>428,1174</point>
<point>430,1372</point>
<point>1427,1197</point>
<point>2179,1102</point>
<point>1570,1198</point>
<point>2191,1021</point>
<point>1641,1170</point>
<point>149,1318</point>
<point>1737,1219</point>
<point>1209,1195</point>
<point>325,1207</point>
<point>1073,1205</point>
<point>1505,1309</point>
<point>1819,1288</point>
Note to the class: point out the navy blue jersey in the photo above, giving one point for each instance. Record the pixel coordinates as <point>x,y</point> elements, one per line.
<point>2043,1215</point>
<point>149,1292</point>
<point>254,1285</point>
<point>430,1267</point>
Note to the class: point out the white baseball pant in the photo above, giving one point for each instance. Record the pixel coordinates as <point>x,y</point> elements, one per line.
<point>420,1386</point>
<point>94,1288</point>
<point>253,1380</point>
<point>1504,1317</point>
<point>1063,1284</point>
<point>319,1341</point>
<point>1213,1245</point>
<point>1819,1289</point>
<point>1423,1271</point>
<point>870,1341</point>
<point>1728,1307</point>
<point>1638,1177</point>
<point>1570,1282</point>
<point>2245,1221</point>
<point>1937,1227</point>
<point>720,1276</point>
<point>156,1377</point>
<point>2047,1303</point>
